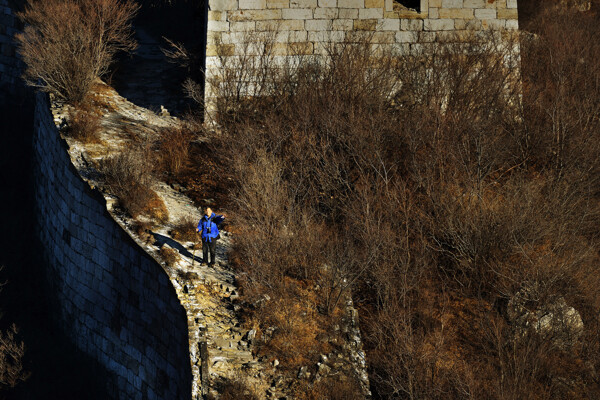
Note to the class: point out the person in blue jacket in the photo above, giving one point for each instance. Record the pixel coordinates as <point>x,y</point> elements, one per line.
<point>209,230</point>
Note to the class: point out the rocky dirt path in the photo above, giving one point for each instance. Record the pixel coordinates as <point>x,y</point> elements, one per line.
<point>219,346</point>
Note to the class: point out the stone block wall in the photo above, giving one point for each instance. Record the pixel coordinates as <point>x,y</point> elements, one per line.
<point>10,64</point>
<point>114,301</point>
<point>305,26</point>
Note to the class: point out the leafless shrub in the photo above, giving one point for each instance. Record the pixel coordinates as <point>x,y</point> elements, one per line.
<point>169,255</point>
<point>434,187</point>
<point>11,358</point>
<point>130,176</point>
<point>236,389</point>
<point>187,276</point>
<point>334,389</point>
<point>185,230</point>
<point>173,148</point>
<point>66,45</point>
<point>84,125</point>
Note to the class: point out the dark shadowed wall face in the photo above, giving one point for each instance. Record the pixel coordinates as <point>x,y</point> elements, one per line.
<point>10,66</point>
<point>113,300</point>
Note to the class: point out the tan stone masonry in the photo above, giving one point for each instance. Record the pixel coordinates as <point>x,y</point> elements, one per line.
<point>304,26</point>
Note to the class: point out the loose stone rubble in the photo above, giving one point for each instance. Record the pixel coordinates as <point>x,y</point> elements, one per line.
<point>554,320</point>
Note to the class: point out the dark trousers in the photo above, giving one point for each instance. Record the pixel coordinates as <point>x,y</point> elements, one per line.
<point>206,246</point>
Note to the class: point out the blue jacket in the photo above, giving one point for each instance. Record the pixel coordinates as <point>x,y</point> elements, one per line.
<point>209,226</point>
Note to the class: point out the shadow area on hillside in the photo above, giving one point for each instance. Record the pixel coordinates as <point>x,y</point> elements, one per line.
<point>147,77</point>
<point>161,240</point>
<point>58,370</point>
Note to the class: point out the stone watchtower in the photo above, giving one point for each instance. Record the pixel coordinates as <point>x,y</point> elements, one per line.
<point>304,26</point>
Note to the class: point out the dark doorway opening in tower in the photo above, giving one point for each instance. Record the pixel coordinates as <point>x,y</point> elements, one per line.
<point>409,4</point>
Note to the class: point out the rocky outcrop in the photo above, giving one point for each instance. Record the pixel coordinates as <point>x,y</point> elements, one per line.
<point>579,5</point>
<point>554,320</point>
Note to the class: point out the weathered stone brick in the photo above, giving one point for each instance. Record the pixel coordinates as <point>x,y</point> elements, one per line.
<point>303,3</point>
<point>326,13</point>
<point>278,3</point>
<point>512,24</point>
<point>281,25</point>
<point>365,24</point>
<point>296,13</point>
<point>326,36</point>
<point>218,26</point>
<point>452,3</point>
<point>226,38</point>
<point>242,26</point>
<point>375,4</point>
<point>220,50</point>
<point>370,13</point>
<point>461,24</point>
<point>348,13</point>
<point>406,37</point>
<point>439,24</point>
<point>351,3</point>
<point>508,13</point>
<point>318,25</point>
<point>411,25</point>
<point>252,4</point>
<point>474,3</point>
<point>255,15</point>
<point>384,37</point>
<point>222,5</point>
<point>342,24</point>
<point>305,48</point>
<point>485,13</point>
<point>217,16</point>
<point>292,36</point>
<point>388,24</point>
<point>494,23</point>
<point>456,13</point>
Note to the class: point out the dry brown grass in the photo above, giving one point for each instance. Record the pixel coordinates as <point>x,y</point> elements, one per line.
<point>332,388</point>
<point>169,255</point>
<point>434,205</point>
<point>84,125</point>
<point>185,230</point>
<point>173,148</point>
<point>100,95</point>
<point>155,208</point>
<point>290,327</point>
<point>143,231</point>
<point>236,389</point>
<point>130,176</point>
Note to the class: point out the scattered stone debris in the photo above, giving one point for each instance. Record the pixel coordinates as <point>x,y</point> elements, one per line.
<point>554,320</point>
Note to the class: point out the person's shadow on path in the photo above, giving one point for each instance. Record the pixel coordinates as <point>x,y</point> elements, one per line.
<point>161,240</point>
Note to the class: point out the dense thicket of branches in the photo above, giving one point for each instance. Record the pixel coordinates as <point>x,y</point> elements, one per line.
<point>67,44</point>
<point>437,187</point>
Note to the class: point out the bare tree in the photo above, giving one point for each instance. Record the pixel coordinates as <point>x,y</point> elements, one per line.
<point>432,187</point>
<point>11,358</point>
<point>67,44</point>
